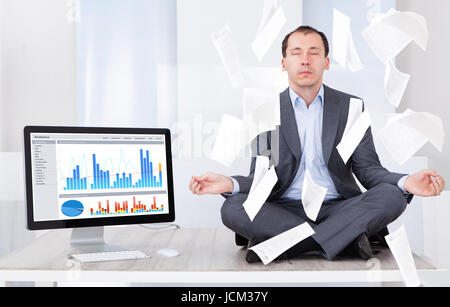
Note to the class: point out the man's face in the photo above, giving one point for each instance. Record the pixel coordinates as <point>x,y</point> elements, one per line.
<point>305,59</point>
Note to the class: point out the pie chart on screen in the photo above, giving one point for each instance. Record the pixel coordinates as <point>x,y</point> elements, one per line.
<point>72,208</point>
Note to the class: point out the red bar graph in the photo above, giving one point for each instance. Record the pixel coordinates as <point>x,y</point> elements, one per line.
<point>124,208</point>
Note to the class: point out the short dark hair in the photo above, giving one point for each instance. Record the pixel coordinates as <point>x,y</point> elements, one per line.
<point>305,30</point>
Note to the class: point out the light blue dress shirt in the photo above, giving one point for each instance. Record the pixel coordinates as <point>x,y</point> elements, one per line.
<point>309,127</point>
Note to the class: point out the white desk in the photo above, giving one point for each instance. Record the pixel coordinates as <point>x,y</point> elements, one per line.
<point>207,256</point>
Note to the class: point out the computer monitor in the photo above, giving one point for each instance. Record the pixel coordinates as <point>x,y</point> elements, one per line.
<point>86,178</point>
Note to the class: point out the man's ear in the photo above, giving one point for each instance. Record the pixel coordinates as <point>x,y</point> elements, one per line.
<point>283,64</point>
<point>327,66</point>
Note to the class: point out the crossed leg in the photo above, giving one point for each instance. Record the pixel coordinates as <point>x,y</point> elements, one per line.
<point>339,221</point>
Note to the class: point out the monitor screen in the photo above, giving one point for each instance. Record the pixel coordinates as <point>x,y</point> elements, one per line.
<point>79,177</point>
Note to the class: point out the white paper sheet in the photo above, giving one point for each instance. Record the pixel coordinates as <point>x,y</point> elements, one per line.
<point>261,114</point>
<point>401,142</point>
<point>413,24</point>
<point>265,38</point>
<point>272,248</point>
<point>354,112</point>
<point>273,77</point>
<point>229,141</point>
<point>395,83</point>
<point>399,245</point>
<point>261,168</point>
<point>353,61</point>
<point>405,133</point>
<point>261,110</point>
<point>223,41</point>
<point>389,33</point>
<point>354,135</point>
<point>427,124</point>
<point>312,196</point>
<point>258,196</point>
<point>269,9</point>
<point>344,50</point>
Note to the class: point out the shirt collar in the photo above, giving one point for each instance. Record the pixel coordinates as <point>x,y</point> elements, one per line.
<point>296,99</point>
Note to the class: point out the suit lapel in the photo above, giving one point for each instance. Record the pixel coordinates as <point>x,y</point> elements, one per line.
<point>331,115</point>
<point>288,126</point>
<point>330,122</point>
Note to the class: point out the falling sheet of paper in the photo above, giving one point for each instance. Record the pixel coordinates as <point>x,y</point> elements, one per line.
<point>401,142</point>
<point>269,9</point>
<point>261,110</point>
<point>312,196</point>
<point>344,50</point>
<point>223,41</point>
<point>395,83</point>
<point>427,124</point>
<point>354,112</point>
<point>405,133</point>
<point>229,140</point>
<point>257,77</point>
<point>354,135</point>
<point>273,247</point>
<point>261,114</point>
<point>266,37</point>
<point>389,33</point>
<point>258,196</point>
<point>261,168</point>
<point>399,245</point>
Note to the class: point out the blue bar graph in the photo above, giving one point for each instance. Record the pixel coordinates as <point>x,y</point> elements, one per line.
<point>104,179</point>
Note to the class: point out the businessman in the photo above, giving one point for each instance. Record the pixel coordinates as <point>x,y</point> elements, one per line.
<point>313,119</point>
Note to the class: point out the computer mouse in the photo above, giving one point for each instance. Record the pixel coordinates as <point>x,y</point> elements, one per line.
<point>167,252</point>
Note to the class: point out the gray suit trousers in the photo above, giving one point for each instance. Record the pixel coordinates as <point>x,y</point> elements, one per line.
<point>340,221</point>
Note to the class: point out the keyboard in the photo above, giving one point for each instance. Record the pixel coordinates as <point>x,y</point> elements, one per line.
<point>109,256</point>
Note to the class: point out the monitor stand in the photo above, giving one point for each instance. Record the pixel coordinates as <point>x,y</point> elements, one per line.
<point>90,240</point>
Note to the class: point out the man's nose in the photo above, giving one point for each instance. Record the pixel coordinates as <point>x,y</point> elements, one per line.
<point>305,59</point>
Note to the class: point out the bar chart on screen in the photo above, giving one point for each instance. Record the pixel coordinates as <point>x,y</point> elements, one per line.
<point>115,205</point>
<point>126,207</point>
<point>111,178</point>
<point>115,169</point>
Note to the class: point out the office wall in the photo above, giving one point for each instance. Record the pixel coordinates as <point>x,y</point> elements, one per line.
<point>12,204</point>
<point>427,90</point>
<point>126,63</point>
<point>2,26</point>
<point>1,66</point>
<point>37,86</point>
<point>37,69</point>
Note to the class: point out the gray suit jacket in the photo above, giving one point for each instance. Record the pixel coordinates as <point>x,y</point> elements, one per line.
<point>364,162</point>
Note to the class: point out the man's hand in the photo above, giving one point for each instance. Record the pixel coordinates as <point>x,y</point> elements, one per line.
<point>211,183</point>
<point>425,183</point>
